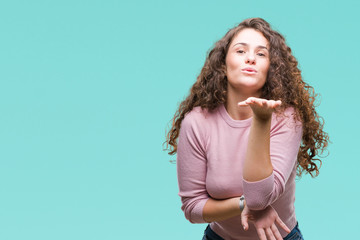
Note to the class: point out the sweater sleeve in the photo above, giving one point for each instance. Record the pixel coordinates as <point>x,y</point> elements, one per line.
<point>191,169</point>
<point>285,140</point>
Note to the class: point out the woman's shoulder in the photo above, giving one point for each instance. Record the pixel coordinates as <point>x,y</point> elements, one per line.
<point>196,124</point>
<point>199,114</point>
<point>200,118</point>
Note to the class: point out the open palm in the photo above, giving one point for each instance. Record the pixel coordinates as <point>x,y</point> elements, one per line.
<point>261,108</point>
<point>264,222</point>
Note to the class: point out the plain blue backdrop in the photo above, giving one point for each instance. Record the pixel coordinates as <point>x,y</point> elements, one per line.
<point>88,89</point>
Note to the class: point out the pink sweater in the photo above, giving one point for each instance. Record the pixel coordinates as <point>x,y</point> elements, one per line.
<point>210,155</point>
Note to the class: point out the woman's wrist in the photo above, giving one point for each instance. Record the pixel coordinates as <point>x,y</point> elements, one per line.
<point>261,120</point>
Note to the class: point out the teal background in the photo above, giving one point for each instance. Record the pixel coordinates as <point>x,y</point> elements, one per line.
<point>88,88</point>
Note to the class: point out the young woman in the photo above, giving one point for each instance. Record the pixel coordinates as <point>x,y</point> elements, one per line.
<point>247,128</point>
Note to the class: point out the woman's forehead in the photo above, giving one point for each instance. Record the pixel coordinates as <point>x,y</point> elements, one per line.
<point>250,37</point>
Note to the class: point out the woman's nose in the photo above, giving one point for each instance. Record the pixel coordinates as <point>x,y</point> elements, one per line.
<point>250,59</point>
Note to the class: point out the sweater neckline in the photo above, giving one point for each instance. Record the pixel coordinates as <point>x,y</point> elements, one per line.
<point>233,123</point>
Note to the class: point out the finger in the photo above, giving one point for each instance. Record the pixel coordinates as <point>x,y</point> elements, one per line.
<point>242,103</point>
<point>263,103</point>
<point>261,234</point>
<point>250,100</point>
<point>257,101</point>
<point>270,234</point>
<point>272,104</point>
<point>276,232</point>
<point>282,225</point>
<point>276,103</point>
<point>244,222</point>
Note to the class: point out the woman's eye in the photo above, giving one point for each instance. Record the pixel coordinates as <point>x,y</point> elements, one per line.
<point>240,51</point>
<point>261,54</point>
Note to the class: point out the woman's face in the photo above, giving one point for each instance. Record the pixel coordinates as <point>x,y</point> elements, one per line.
<point>248,62</point>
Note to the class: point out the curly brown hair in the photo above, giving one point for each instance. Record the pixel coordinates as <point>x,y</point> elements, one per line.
<point>284,82</point>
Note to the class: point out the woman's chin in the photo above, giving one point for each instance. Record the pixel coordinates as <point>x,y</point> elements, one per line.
<point>252,86</point>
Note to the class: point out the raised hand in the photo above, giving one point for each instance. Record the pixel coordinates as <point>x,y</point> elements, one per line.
<point>264,222</point>
<point>261,108</point>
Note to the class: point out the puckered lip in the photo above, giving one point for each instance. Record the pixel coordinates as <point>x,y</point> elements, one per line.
<point>249,69</point>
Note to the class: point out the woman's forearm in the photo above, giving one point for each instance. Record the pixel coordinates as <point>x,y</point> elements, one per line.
<point>257,165</point>
<point>218,210</point>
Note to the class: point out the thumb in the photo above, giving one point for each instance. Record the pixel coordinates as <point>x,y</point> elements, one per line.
<point>282,224</point>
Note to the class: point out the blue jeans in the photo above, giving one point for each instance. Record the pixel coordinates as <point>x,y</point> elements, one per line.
<point>295,234</point>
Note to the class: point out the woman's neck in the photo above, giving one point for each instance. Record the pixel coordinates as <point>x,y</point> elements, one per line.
<point>231,105</point>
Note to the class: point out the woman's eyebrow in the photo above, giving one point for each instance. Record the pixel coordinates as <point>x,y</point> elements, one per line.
<point>245,44</point>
